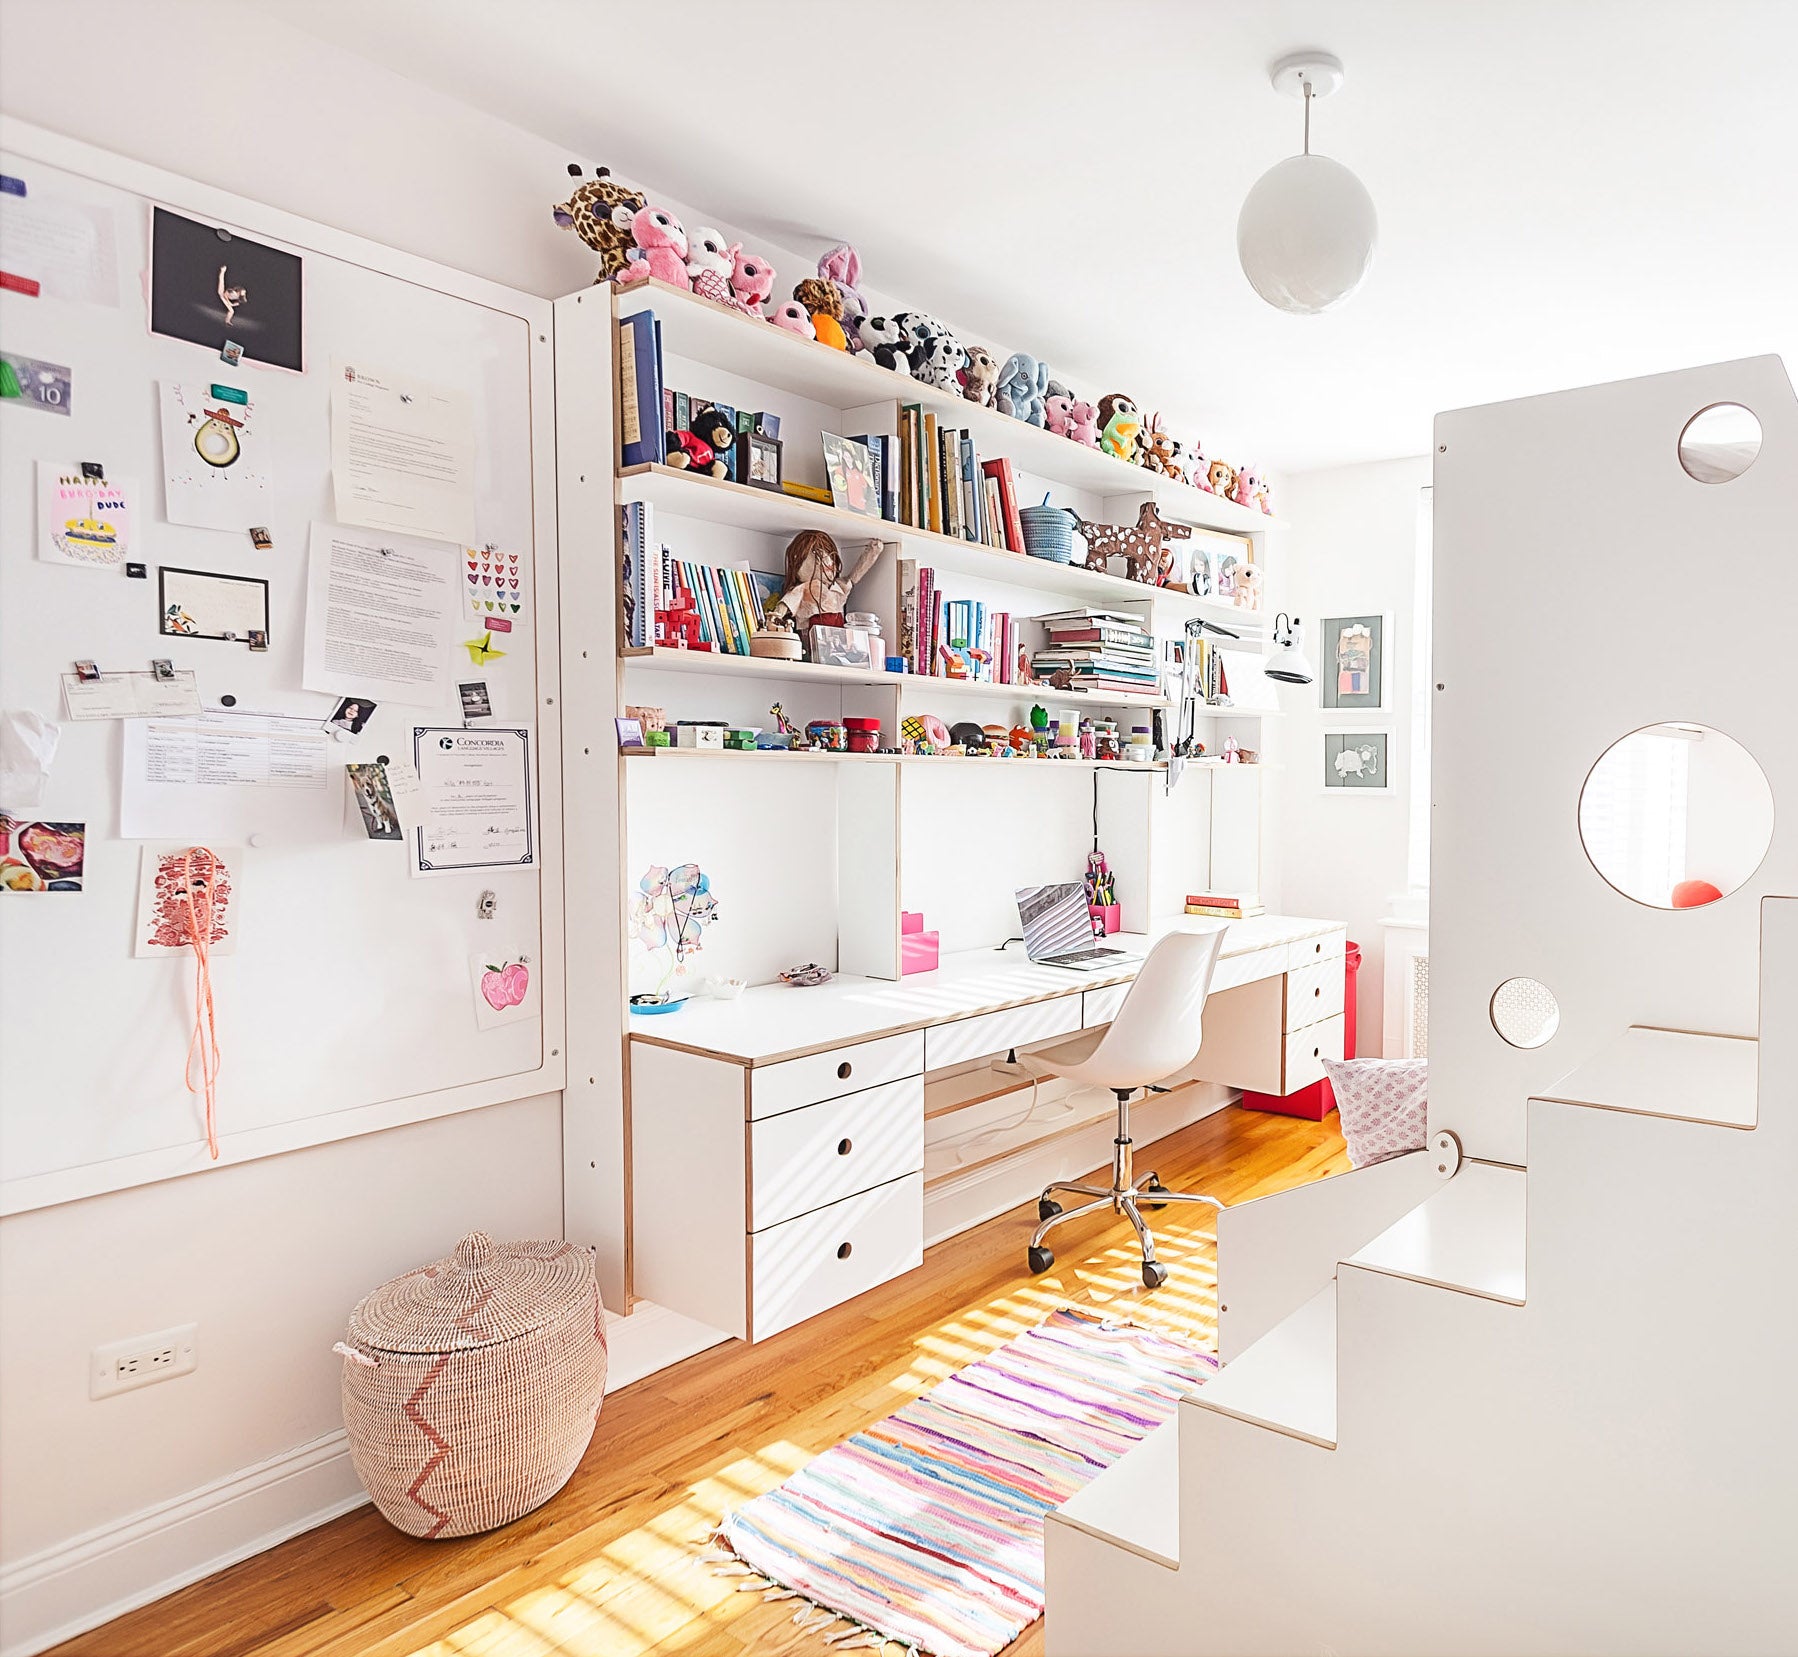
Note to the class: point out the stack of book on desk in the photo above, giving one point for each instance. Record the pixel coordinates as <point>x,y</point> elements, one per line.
<point>1099,651</point>
<point>1223,906</point>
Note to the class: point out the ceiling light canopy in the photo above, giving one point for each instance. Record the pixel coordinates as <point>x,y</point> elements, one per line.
<point>1307,229</point>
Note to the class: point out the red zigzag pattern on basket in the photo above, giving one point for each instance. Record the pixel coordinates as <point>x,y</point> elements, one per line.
<point>440,1445</point>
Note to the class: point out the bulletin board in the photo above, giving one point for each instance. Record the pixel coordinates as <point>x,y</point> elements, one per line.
<point>351,1000</point>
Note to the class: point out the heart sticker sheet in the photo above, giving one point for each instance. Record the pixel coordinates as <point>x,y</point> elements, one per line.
<point>496,585</point>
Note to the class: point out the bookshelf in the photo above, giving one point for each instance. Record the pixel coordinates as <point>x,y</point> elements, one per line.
<point>806,756</point>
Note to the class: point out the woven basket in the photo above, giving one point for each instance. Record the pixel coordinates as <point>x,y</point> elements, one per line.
<point>471,1386</point>
<point>1050,532</point>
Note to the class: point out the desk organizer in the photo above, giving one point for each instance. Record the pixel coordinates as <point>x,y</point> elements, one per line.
<point>917,948</point>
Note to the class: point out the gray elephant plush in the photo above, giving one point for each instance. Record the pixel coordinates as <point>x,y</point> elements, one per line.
<point>1023,386</point>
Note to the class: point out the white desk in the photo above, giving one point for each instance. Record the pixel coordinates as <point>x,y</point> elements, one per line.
<point>777,1140</point>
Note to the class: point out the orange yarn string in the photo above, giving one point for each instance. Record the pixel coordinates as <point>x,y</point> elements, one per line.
<point>204,1042</point>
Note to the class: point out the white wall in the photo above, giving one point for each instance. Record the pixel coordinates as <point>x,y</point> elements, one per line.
<point>1351,550</point>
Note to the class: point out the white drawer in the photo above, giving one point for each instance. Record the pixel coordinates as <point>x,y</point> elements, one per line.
<point>778,1087</point>
<point>1247,968</point>
<point>1307,1049</point>
<point>1313,993</point>
<point>833,1254</point>
<point>805,1159</point>
<point>1326,946</point>
<point>1101,1006</point>
<point>974,1038</point>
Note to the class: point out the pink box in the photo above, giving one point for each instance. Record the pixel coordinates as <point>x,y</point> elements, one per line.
<point>911,920</point>
<point>917,952</point>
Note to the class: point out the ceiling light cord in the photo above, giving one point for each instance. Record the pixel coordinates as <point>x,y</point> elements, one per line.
<point>1308,96</point>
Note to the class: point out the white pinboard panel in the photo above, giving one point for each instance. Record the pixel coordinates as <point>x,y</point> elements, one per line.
<point>1566,533</point>
<point>349,1005</point>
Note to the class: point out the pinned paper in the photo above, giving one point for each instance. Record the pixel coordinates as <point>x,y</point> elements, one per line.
<point>164,907</point>
<point>83,520</point>
<point>27,746</point>
<point>496,585</point>
<point>505,989</point>
<point>64,247</point>
<point>131,695</point>
<point>41,857</point>
<point>215,459</point>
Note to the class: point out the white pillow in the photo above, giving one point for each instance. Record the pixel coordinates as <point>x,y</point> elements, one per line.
<point>1383,1106</point>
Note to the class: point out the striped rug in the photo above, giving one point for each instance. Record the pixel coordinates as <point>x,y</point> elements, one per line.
<point>927,1528</point>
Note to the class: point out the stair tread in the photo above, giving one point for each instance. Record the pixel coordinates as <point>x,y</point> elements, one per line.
<point>1668,1073</point>
<point>1135,1502</point>
<point>1287,1379</point>
<point>1468,1236</point>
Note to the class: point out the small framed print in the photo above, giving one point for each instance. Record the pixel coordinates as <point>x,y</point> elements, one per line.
<point>1357,762</point>
<point>258,638</point>
<point>758,460</point>
<point>200,604</point>
<point>260,538</point>
<point>1353,673</point>
<point>630,732</point>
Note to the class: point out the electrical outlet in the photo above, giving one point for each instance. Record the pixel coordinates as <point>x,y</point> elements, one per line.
<point>144,1360</point>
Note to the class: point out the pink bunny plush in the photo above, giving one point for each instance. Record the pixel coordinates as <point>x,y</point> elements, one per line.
<point>710,260</point>
<point>795,319</point>
<point>751,280</point>
<point>660,251</point>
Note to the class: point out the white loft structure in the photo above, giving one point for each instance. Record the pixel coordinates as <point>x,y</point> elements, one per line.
<point>1530,1392</point>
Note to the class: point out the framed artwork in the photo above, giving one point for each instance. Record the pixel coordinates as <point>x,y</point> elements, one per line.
<point>850,467</point>
<point>202,604</point>
<point>1357,762</point>
<point>1353,671</point>
<point>758,460</point>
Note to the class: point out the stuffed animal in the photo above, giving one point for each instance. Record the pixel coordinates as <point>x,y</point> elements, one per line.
<point>979,375</point>
<point>1201,467</point>
<point>941,363</point>
<point>1120,428</point>
<point>884,340</point>
<point>703,446</point>
<point>600,213</point>
<point>1244,492</point>
<point>1083,423</point>
<point>1248,587</point>
<point>824,305</point>
<point>1147,544</point>
<point>751,280</point>
<point>1263,500</point>
<point>1161,453</point>
<point>1023,381</point>
<point>794,317</point>
<point>1220,475</point>
<point>659,250</point>
<point>710,261</point>
<point>843,266</point>
<point>1055,410</point>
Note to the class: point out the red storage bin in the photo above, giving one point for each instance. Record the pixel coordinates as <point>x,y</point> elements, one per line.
<point>1316,1102</point>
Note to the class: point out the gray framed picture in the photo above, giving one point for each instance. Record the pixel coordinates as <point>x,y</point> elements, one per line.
<point>1357,762</point>
<point>1352,673</point>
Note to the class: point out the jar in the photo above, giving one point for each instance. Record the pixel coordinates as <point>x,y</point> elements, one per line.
<point>828,735</point>
<point>862,735</point>
<point>1142,745</point>
<point>1105,740</point>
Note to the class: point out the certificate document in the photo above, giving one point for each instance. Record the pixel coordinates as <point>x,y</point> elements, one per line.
<point>402,454</point>
<point>475,789</point>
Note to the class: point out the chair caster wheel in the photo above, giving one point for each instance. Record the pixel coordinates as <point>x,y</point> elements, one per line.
<point>1148,1192</point>
<point>1153,1274</point>
<point>1042,1259</point>
<point>1047,1208</point>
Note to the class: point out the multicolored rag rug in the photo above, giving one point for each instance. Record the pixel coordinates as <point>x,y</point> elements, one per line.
<point>927,1528</point>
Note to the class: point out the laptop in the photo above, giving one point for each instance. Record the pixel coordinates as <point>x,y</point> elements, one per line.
<point>1058,929</point>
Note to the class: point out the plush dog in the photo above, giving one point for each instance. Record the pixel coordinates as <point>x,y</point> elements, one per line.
<point>883,339</point>
<point>941,363</point>
<point>710,262</point>
<point>795,318</point>
<point>1220,475</point>
<point>751,280</point>
<point>600,213</point>
<point>1023,384</point>
<point>979,375</point>
<point>1120,427</point>
<point>824,305</point>
<point>659,249</point>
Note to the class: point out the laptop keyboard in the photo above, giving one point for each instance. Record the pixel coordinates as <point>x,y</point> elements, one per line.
<point>1081,955</point>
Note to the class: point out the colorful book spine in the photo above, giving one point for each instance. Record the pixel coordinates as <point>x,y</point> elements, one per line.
<point>642,437</point>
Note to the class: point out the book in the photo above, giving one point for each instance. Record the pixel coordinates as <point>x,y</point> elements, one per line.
<point>806,491</point>
<point>1225,914</point>
<point>642,438</point>
<point>1221,900</point>
<point>638,621</point>
<point>908,493</point>
<point>908,612</point>
<point>1008,501</point>
<point>933,495</point>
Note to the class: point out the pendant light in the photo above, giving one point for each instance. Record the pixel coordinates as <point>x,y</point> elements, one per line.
<point>1307,229</point>
<point>1287,662</point>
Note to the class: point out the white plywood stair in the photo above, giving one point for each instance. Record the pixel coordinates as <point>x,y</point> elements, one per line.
<point>1468,1236</point>
<point>1135,1503</point>
<point>1287,1379</point>
<point>1677,1073</point>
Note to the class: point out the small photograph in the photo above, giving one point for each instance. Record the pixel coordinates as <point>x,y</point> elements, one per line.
<point>374,799</point>
<point>1356,762</point>
<point>87,672</point>
<point>758,460</point>
<point>476,703</point>
<point>853,485</point>
<point>213,287</point>
<point>352,714</point>
<point>258,639</point>
<point>163,669</point>
<point>41,857</point>
<point>260,539</point>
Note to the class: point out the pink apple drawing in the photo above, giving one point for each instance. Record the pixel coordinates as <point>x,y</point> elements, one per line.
<point>507,986</point>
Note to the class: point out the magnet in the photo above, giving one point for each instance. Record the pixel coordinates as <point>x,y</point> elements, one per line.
<point>227,700</point>
<point>162,667</point>
<point>93,469</point>
<point>27,285</point>
<point>11,186</point>
<point>230,394</point>
<point>223,234</point>
<point>137,572</point>
<point>231,352</point>
<point>87,672</point>
<point>487,906</point>
<point>260,538</point>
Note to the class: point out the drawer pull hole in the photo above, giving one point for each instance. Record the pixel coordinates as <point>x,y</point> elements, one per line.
<point>1317,1052</point>
<point>845,1146</point>
<point>843,1070</point>
<point>844,1250</point>
<point>1318,990</point>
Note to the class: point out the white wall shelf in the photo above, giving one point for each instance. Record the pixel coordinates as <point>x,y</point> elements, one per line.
<point>808,756</point>
<point>756,350</point>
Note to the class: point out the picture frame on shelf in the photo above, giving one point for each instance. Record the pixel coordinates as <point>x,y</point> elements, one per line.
<point>1357,762</point>
<point>1352,670</point>
<point>630,732</point>
<point>758,460</point>
<point>854,487</point>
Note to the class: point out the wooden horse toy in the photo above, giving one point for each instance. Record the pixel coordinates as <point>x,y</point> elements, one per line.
<point>1147,544</point>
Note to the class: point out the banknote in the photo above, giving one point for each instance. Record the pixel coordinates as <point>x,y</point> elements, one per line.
<point>45,385</point>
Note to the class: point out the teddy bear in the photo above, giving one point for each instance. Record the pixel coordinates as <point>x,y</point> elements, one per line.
<point>795,318</point>
<point>1220,476</point>
<point>751,280</point>
<point>824,305</point>
<point>660,249</point>
<point>979,375</point>
<point>883,339</point>
<point>1023,381</point>
<point>941,362</point>
<point>1120,427</point>
<point>600,213</point>
<point>710,262</point>
<point>703,446</point>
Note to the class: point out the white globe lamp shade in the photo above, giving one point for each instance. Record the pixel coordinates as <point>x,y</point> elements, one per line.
<point>1306,234</point>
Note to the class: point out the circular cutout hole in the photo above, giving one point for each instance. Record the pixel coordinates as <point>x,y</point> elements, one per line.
<point>843,1070</point>
<point>844,1250</point>
<point>1676,816</point>
<point>1719,443</point>
<point>845,1146</point>
<point>1525,1012</point>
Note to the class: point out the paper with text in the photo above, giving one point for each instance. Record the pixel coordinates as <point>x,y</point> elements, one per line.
<point>380,611</point>
<point>402,453</point>
<point>230,776</point>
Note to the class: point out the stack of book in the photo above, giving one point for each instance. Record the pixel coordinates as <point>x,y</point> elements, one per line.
<point>934,627</point>
<point>1223,906</point>
<point>944,485</point>
<point>669,600</point>
<point>1099,650</point>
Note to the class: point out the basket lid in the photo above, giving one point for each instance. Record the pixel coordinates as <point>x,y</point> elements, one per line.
<point>485,1292</point>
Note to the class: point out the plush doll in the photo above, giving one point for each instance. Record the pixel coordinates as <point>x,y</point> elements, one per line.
<point>1083,423</point>
<point>824,305</point>
<point>883,339</point>
<point>919,331</point>
<point>843,266</point>
<point>751,280</point>
<point>794,317</point>
<point>941,363</point>
<point>1162,453</point>
<point>1020,391</point>
<point>710,261</point>
<point>702,447</point>
<point>660,249</point>
<point>1199,476</point>
<point>600,213</point>
<point>979,375</point>
<point>1120,427</point>
<point>1221,476</point>
<point>1263,500</point>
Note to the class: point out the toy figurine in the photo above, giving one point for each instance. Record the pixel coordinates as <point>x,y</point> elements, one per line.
<point>817,588</point>
<point>979,376</point>
<point>1145,544</point>
<point>961,660</point>
<point>794,317</point>
<point>703,446</point>
<point>1023,386</point>
<point>751,280</point>
<point>842,267</point>
<point>1120,427</point>
<point>1220,476</point>
<point>600,213</point>
<point>824,305</point>
<point>659,249</point>
<point>709,265</point>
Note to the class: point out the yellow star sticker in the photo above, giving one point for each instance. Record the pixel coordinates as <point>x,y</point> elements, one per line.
<point>481,651</point>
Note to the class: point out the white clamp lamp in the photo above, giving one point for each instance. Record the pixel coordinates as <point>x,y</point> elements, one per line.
<point>1287,662</point>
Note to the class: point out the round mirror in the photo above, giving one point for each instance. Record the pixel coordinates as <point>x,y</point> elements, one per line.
<point>1719,443</point>
<point>1676,816</point>
<point>1524,1012</point>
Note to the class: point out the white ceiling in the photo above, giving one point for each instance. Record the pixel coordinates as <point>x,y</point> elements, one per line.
<point>1569,190</point>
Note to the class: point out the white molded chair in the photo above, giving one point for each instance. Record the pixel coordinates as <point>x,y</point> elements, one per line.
<point>1155,1035</point>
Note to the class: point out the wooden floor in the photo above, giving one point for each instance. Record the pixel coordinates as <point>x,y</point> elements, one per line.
<point>608,1568</point>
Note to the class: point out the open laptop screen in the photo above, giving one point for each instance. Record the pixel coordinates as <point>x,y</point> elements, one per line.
<point>1056,919</point>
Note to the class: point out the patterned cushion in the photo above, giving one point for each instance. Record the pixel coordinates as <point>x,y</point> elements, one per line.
<point>1382,1105</point>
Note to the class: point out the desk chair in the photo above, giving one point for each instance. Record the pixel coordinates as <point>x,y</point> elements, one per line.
<point>1155,1035</point>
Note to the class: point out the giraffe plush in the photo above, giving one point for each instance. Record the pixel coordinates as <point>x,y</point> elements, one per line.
<point>600,213</point>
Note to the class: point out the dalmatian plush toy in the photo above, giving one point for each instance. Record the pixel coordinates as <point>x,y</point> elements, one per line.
<point>885,340</point>
<point>941,363</point>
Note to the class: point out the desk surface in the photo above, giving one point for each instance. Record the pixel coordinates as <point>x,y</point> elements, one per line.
<point>771,1022</point>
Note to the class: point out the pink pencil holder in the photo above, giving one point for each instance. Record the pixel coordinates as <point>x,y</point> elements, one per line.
<point>1110,916</point>
<point>917,952</point>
